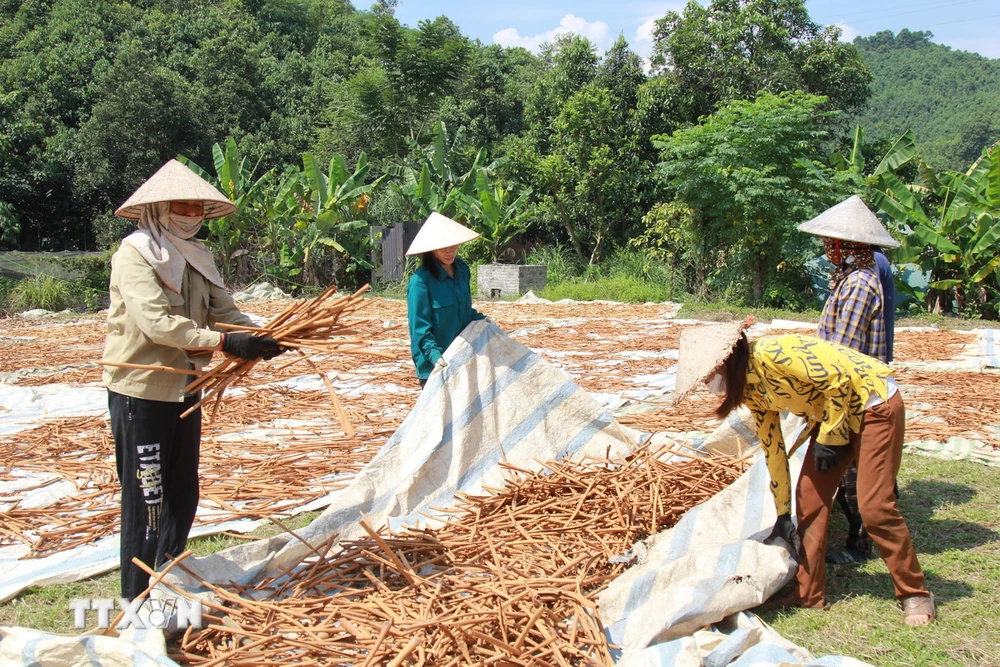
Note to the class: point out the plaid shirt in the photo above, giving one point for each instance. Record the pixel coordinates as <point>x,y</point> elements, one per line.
<point>852,316</point>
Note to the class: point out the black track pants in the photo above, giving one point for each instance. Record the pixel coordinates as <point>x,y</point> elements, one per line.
<point>157,457</point>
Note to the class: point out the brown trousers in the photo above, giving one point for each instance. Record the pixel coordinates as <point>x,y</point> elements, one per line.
<point>878,448</point>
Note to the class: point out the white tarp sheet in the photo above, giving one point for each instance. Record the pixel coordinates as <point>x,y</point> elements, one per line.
<point>20,646</point>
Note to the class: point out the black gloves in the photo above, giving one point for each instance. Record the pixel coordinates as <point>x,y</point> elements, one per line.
<point>785,529</point>
<point>247,346</point>
<point>827,457</point>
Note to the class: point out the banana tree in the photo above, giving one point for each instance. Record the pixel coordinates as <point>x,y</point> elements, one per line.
<point>436,182</point>
<point>234,236</point>
<point>847,174</point>
<point>955,223</point>
<point>495,214</point>
<point>330,216</point>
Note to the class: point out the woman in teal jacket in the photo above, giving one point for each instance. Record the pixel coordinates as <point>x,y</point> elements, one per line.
<point>438,297</point>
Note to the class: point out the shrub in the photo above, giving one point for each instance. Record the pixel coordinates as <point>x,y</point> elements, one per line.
<point>648,268</point>
<point>6,287</point>
<point>42,292</point>
<point>560,260</point>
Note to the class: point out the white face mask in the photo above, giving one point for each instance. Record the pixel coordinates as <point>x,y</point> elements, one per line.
<point>186,226</point>
<point>717,383</point>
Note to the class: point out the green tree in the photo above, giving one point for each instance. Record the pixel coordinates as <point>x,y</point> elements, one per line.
<point>569,64</point>
<point>11,180</point>
<point>620,73</point>
<point>732,49</point>
<point>147,114</point>
<point>491,99</point>
<point>736,170</point>
<point>51,52</point>
<point>399,86</point>
<point>581,181</point>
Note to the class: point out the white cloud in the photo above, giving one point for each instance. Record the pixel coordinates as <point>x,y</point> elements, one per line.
<point>644,33</point>
<point>642,43</point>
<point>847,33</point>
<point>597,32</point>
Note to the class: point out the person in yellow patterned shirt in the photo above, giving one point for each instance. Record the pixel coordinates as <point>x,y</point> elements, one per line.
<point>858,414</point>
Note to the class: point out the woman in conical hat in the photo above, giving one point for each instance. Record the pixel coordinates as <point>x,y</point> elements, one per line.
<point>166,298</point>
<point>859,315</point>
<point>438,297</point>
<point>858,413</point>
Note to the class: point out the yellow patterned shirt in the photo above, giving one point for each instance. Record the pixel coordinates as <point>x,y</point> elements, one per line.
<point>826,383</point>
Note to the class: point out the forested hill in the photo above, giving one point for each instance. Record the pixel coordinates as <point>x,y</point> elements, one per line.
<point>950,99</point>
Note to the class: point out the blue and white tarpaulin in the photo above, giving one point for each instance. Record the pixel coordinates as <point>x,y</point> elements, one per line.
<point>494,391</point>
<point>21,646</point>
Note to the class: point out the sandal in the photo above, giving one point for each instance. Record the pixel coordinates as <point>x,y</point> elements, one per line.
<point>919,605</point>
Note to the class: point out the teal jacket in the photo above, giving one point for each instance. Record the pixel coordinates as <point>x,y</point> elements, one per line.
<point>437,310</point>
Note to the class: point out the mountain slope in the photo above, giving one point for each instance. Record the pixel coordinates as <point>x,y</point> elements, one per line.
<point>950,99</point>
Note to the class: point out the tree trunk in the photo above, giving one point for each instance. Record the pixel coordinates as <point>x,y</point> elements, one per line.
<point>701,270</point>
<point>701,280</point>
<point>758,280</point>
<point>569,229</point>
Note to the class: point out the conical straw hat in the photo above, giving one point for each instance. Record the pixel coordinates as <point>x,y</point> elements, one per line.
<point>850,220</point>
<point>176,182</point>
<point>438,232</point>
<point>703,349</point>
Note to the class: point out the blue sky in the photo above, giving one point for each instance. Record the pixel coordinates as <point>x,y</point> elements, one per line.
<point>969,25</point>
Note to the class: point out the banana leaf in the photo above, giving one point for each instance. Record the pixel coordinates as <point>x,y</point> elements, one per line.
<point>991,266</point>
<point>902,151</point>
<point>930,237</point>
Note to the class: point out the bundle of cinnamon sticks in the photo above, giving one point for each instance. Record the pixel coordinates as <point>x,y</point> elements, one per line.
<point>307,327</point>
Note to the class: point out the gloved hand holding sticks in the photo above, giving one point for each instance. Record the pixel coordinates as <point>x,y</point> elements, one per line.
<point>248,346</point>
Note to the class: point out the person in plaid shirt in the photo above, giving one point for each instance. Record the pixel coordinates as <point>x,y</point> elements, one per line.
<point>854,316</point>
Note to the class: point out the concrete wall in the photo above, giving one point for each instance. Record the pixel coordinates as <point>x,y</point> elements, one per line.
<point>497,281</point>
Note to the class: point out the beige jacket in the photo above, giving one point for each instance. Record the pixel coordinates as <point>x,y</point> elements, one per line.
<point>150,324</point>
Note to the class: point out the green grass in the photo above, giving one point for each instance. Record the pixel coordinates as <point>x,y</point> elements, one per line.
<point>42,292</point>
<point>390,291</point>
<point>631,290</point>
<point>623,288</point>
<point>953,511</point>
<point>48,608</point>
